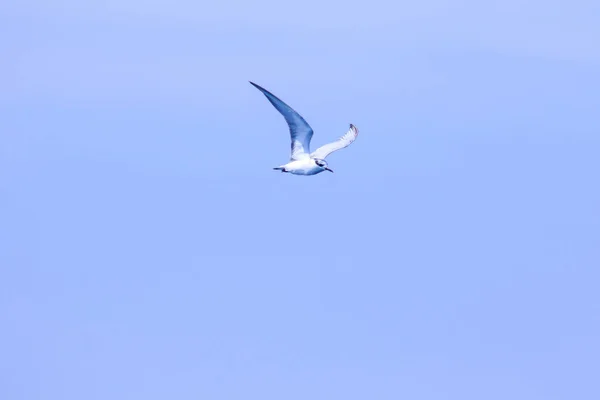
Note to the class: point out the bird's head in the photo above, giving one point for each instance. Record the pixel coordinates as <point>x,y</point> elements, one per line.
<point>322,164</point>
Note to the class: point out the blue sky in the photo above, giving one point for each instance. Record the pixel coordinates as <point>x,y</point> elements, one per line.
<point>148,250</point>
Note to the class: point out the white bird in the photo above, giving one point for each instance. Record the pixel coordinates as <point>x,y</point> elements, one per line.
<point>302,161</point>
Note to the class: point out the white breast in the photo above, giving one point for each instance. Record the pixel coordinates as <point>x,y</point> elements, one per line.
<point>303,167</point>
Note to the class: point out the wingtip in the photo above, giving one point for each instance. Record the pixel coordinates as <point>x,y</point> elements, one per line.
<point>262,89</point>
<point>354,128</point>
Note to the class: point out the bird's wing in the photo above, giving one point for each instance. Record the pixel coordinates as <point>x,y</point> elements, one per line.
<point>342,142</point>
<point>300,131</point>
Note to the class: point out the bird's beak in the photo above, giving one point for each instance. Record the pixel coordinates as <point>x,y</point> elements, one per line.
<point>330,170</point>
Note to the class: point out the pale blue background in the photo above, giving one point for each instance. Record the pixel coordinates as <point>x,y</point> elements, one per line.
<point>149,251</point>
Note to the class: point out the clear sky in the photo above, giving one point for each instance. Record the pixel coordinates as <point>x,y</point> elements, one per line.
<point>149,251</point>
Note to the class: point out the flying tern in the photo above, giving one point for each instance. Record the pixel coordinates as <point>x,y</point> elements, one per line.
<point>302,161</point>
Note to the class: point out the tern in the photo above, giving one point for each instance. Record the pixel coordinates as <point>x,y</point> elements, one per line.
<point>302,161</point>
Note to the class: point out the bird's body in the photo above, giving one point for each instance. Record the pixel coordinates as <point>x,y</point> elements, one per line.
<point>306,166</point>
<point>302,161</point>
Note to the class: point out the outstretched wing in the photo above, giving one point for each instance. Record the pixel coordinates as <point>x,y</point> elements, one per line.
<point>342,142</point>
<point>300,131</point>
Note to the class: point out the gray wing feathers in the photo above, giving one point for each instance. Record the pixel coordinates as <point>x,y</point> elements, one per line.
<point>300,131</point>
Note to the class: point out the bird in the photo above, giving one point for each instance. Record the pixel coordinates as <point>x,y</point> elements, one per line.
<point>302,161</point>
